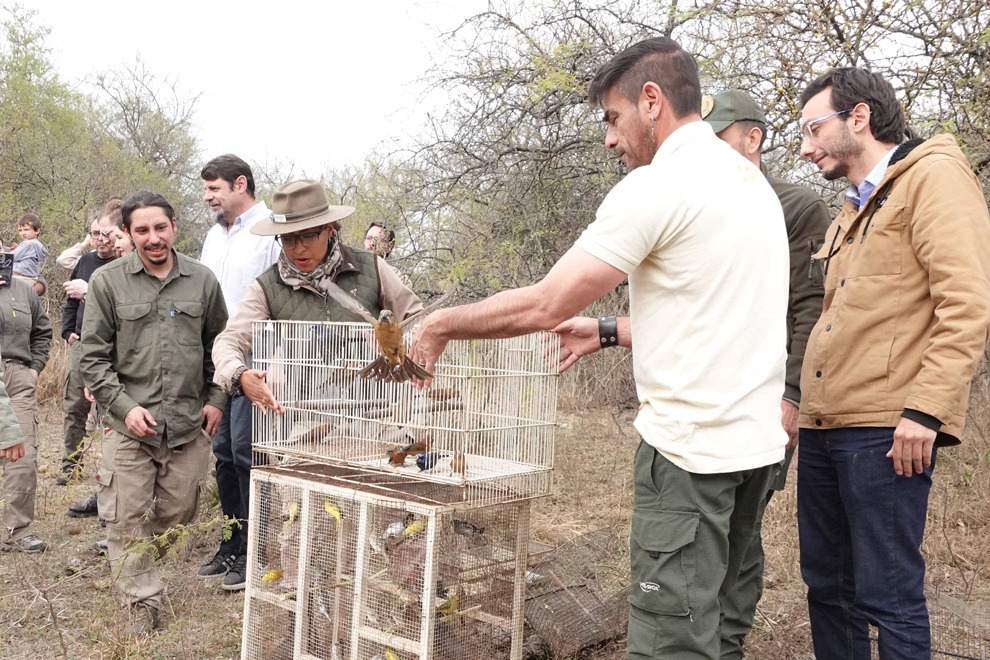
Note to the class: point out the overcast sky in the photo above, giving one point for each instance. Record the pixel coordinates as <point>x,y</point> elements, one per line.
<point>319,83</point>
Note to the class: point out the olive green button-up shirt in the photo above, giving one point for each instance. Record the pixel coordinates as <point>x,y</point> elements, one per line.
<point>149,342</point>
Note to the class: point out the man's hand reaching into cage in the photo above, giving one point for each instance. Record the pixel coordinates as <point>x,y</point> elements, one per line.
<point>255,388</point>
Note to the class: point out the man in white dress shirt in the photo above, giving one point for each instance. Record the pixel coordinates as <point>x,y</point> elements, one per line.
<point>236,257</point>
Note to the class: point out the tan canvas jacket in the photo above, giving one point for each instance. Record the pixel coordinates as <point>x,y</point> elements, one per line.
<point>907,298</point>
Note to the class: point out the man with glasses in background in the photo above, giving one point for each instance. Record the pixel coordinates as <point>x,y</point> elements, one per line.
<point>307,227</point>
<point>887,371</point>
<point>74,402</point>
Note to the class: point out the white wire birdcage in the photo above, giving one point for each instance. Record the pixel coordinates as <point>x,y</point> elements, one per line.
<point>486,424</point>
<point>341,568</point>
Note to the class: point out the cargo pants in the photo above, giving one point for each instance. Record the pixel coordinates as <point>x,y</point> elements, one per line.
<point>144,491</point>
<point>690,533</point>
<point>20,477</point>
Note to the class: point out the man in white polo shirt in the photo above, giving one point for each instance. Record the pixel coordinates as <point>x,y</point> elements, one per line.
<point>236,257</point>
<point>700,234</point>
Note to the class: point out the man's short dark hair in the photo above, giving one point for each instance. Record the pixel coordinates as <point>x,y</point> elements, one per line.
<point>851,86</point>
<point>143,199</point>
<point>228,167</point>
<point>659,60</point>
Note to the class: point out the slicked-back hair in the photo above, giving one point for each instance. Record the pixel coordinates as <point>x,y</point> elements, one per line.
<point>228,167</point>
<point>111,211</point>
<point>659,60</point>
<point>143,199</point>
<point>851,86</point>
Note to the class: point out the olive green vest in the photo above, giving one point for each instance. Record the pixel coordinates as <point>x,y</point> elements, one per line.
<point>358,276</point>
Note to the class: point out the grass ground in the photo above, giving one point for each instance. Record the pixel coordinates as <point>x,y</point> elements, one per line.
<point>61,604</point>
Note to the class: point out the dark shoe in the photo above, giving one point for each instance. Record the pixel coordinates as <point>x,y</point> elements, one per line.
<point>103,522</point>
<point>219,565</point>
<point>67,474</point>
<point>84,509</point>
<point>29,545</point>
<point>101,547</point>
<point>144,620</point>
<point>234,581</point>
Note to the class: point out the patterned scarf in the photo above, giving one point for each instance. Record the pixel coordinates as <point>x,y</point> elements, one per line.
<point>327,269</point>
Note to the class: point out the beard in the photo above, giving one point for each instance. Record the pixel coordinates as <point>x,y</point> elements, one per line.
<point>157,260</point>
<point>842,152</point>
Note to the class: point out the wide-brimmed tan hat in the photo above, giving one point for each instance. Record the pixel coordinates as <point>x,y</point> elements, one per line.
<point>299,205</point>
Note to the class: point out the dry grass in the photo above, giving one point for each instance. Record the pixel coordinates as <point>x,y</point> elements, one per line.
<point>62,603</point>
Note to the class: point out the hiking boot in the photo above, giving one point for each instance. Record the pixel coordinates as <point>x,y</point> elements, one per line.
<point>101,548</point>
<point>219,565</point>
<point>144,620</point>
<point>29,545</point>
<point>236,576</point>
<point>84,509</point>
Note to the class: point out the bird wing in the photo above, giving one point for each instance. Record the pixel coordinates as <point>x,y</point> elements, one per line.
<point>426,310</point>
<point>347,300</point>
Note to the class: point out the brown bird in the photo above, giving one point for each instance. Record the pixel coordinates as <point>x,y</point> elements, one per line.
<point>392,364</point>
<point>458,463</point>
<point>396,456</point>
<point>421,446</point>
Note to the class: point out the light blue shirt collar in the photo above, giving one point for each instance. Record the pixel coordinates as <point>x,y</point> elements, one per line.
<point>861,195</point>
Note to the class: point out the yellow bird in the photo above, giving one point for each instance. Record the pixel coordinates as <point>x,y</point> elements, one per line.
<point>450,606</point>
<point>274,575</point>
<point>413,528</point>
<point>334,512</point>
<point>390,654</point>
<point>292,514</point>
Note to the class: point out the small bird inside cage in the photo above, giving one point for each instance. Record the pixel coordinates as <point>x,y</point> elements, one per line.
<point>398,455</point>
<point>392,363</point>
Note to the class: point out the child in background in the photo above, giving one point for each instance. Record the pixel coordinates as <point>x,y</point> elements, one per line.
<point>30,253</point>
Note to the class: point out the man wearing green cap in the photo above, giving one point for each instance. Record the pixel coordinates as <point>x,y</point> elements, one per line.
<point>739,121</point>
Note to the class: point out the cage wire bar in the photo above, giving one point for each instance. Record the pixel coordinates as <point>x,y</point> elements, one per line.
<point>341,567</point>
<point>485,424</point>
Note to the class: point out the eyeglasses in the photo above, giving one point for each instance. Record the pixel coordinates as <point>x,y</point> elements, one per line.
<point>808,129</point>
<point>307,240</point>
<point>97,235</point>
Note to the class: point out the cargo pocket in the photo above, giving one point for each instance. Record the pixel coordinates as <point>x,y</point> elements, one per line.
<point>106,497</point>
<point>662,561</point>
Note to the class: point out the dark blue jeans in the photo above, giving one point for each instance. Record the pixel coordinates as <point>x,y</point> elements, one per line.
<point>861,528</point>
<point>232,449</point>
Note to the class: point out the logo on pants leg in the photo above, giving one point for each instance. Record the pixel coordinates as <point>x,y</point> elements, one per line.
<point>647,587</point>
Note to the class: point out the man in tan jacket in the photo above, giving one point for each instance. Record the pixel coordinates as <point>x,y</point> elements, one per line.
<point>887,370</point>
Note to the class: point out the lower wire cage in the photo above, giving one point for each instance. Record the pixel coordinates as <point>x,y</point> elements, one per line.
<point>360,564</point>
